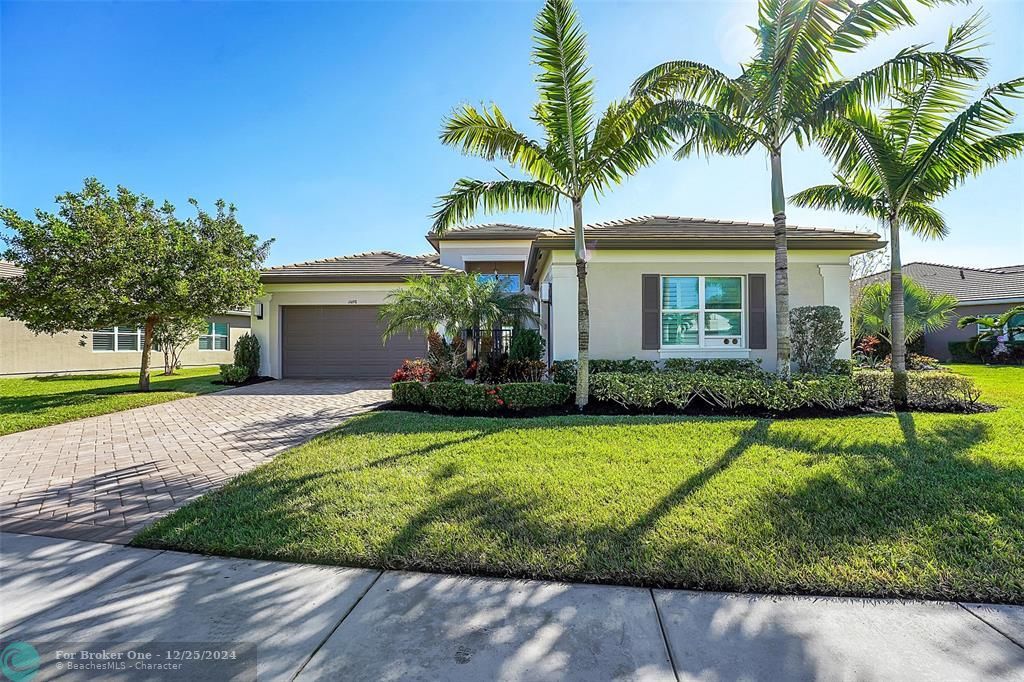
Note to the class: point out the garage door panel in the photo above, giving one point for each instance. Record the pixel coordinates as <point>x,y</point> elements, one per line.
<point>341,342</point>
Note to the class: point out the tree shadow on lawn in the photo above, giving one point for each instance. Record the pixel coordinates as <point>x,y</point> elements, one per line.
<point>922,497</point>
<point>38,402</point>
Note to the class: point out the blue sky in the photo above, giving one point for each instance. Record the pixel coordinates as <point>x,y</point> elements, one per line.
<point>320,120</point>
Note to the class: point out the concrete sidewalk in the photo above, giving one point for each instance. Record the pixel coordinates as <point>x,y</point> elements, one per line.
<point>317,622</point>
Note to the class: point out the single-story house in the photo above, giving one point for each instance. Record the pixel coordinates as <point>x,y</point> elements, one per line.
<point>981,292</point>
<point>660,287</point>
<point>23,352</point>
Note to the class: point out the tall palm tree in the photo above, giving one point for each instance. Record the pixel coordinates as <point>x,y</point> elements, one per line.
<point>894,165</point>
<point>581,153</point>
<point>789,87</point>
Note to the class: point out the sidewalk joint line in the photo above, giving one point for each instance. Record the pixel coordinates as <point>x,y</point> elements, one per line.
<point>664,635</point>
<point>338,625</point>
<point>990,625</point>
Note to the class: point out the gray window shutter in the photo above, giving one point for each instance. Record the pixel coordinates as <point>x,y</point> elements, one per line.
<point>757,311</point>
<point>651,305</point>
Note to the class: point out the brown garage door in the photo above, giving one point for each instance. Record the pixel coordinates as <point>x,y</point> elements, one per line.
<point>341,342</point>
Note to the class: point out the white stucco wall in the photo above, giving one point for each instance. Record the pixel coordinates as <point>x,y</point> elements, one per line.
<point>455,254</point>
<point>268,330</point>
<point>614,283</point>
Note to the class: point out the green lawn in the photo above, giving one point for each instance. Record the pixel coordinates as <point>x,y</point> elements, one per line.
<point>28,403</point>
<point>927,505</point>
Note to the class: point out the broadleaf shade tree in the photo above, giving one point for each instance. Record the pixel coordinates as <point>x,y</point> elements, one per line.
<point>452,304</point>
<point>581,152</point>
<point>104,260</point>
<point>786,91</point>
<point>894,165</point>
<point>924,310</point>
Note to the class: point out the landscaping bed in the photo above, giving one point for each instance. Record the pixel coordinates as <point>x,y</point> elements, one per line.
<point>911,505</point>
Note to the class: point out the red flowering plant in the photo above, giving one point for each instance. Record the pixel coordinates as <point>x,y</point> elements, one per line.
<point>495,393</point>
<point>414,370</point>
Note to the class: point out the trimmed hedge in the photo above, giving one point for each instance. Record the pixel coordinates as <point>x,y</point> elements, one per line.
<point>233,374</point>
<point>678,390</point>
<point>926,390</point>
<point>456,396</point>
<point>719,366</point>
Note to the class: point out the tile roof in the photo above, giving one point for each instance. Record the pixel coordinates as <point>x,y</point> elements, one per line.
<point>699,229</point>
<point>673,232</point>
<point>376,266</point>
<point>9,269</point>
<point>967,284</point>
<point>490,231</point>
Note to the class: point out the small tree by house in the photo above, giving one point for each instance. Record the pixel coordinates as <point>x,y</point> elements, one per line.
<point>118,259</point>
<point>173,335</point>
<point>924,311</point>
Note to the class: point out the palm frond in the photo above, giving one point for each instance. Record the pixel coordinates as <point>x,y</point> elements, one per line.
<point>702,129</point>
<point>923,220</point>
<point>862,153</point>
<point>839,197</point>
<point>902,71</point>
<point>951,156</point>
<point>626,140</point>
<point>488,134</point>
<point>469,197</point>
<point>566,88</point>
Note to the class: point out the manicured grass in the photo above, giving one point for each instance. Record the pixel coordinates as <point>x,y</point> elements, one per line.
<point>926,505</point>
<point>31,402</point>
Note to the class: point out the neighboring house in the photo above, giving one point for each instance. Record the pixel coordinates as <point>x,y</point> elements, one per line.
<point>24,353</point>
<point>990,291</point>
<point>660,287</point>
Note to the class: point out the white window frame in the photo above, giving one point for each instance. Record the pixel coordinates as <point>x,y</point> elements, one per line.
<point>139,335</point>
<point>212,334</point>
<point>701,311</point>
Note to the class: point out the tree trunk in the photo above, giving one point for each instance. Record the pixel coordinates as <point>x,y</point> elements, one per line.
<point>168,361</point>
<point>898,324</point>
<point>582,309</point>
<point>147,346</point>
<point>783,344</point>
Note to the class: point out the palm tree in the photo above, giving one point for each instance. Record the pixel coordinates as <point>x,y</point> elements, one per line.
<point>452,304</point>
<point>925,311</point>
<point>894,165</point>
<point>786,91</point>
<point>581,153</point>
<point>992,327</point>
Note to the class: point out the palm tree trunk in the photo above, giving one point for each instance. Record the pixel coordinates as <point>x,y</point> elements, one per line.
<point>582,308</point>
<point>898,324</point>
<point>147,346</point>
<point>781,267</point>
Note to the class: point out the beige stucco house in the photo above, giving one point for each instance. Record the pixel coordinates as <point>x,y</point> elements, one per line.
<point>660,287</point>
<point>24,353</point>
<point>981,292</point>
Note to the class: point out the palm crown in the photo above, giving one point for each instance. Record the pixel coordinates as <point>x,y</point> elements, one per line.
<point>891,166</point>
<point>580,152</point>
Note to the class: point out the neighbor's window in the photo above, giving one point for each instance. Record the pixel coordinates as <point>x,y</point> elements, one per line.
<point>215,338</point>
<point>699,311</point>
<point>117,339</point>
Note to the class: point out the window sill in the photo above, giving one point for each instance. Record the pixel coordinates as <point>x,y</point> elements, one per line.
<point>702,353</point>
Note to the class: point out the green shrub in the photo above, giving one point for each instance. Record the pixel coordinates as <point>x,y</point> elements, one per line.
<point>926,390</point>
<point>816,332</point>
<point>960,352</point>
<point>410,393</point>
<point>233,374</point>
<point>522,396</point>
<point>678,390</point>
<point>719,366</point>
<point>630,366</point>
<point>247,354</point>
<point>456,396</point>
<point>527,344</point>
<point>563,372</point>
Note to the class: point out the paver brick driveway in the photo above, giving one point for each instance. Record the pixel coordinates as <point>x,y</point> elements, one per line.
<point>104,478</point>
